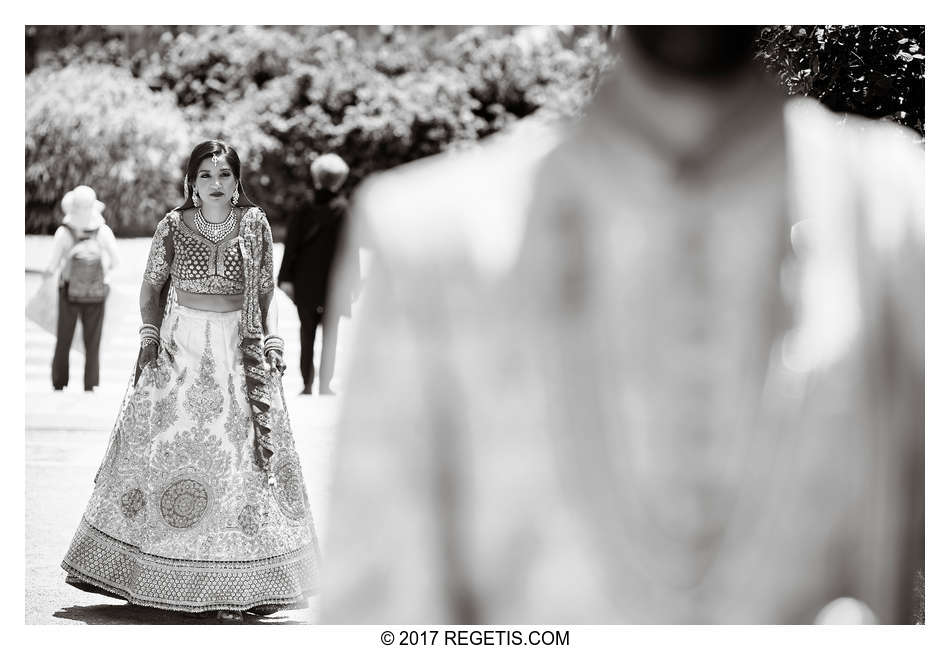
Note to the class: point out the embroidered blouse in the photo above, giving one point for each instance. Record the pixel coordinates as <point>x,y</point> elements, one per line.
<point>198,265</point>
<point>233,267</point>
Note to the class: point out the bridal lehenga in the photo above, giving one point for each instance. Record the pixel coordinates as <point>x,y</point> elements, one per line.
<point>181,516</point>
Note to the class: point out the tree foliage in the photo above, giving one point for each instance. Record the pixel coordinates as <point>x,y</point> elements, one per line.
<point>872,70</point>
<point>378,97</point>
<point>283,97</point>
<point>97,125</point>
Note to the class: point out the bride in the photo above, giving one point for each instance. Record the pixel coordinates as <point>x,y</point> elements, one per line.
<point>199,505</point>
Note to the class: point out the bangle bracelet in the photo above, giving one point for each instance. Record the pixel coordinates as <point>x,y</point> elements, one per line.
<point>148,330</point>
<point>273,342</point>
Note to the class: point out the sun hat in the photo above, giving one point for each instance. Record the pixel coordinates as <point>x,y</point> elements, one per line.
<point>82,208</point>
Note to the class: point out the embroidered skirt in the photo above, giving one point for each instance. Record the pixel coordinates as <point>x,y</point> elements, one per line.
<point>181,517</point>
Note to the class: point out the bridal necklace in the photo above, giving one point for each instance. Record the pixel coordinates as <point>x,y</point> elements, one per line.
<point>214,231</point>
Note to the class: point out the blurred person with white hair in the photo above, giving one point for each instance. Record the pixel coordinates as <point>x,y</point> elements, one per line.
<point>84,255</point>
<point>199,504</point>
<point>667,368</point>
<point>311,257</point>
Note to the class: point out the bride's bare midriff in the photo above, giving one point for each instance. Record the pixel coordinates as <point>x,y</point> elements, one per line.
<point>210,302</point>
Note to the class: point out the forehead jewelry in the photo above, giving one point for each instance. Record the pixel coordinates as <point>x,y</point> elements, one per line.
<point>214,160</point>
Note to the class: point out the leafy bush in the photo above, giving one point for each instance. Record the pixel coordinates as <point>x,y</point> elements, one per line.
<point>378,111</point>
<point>97,125</point>
<point>284,96</point>
<point>515,75</point>
<point>372,121</point>
<point>215,67</point>
<point>873,70</point>
<point>378,97</point>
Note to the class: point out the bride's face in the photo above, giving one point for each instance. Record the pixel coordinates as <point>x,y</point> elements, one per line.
<point>215,180</point>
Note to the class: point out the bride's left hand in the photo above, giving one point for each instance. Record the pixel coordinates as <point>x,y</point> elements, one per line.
<point>276,361</point>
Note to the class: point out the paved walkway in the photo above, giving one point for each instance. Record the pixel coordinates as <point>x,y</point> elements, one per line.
<point>67,432</point>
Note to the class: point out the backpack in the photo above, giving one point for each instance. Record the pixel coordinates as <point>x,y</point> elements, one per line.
<point>84,268</point>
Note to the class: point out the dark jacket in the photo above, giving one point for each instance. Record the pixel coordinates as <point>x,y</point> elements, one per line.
<point>311,248</point>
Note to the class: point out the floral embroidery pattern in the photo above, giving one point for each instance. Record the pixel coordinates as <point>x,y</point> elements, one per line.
<point>238,425</point>
<point>289,489</point>
<point>157,268</point>
<point>134,437</point>
<point>164,413</point>
<point>157,374</point>
<point>204,399</point>
<point>170,346</point>
<point>267,257</point>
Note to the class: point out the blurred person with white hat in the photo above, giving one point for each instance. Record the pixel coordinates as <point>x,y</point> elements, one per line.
<point>84,254</point>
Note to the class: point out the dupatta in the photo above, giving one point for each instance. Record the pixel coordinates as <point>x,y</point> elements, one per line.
<point>255,237</point>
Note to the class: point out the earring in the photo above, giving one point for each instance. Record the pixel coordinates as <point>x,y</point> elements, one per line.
<point>235,196</point>
<point>194,197</point>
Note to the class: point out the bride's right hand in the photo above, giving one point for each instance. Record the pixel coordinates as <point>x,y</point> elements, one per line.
<point>148,354</point>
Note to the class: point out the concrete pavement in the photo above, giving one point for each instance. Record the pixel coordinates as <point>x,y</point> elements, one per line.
<point>67,433</point>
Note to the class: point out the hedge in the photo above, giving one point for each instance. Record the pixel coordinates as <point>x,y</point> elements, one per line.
<point>125,122</point>
<point>99,126</point>
<point>283,97</point>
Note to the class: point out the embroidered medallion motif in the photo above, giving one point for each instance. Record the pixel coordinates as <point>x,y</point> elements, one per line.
<point>249,520</point>
<point>132,503</point>
<point>184,503</point>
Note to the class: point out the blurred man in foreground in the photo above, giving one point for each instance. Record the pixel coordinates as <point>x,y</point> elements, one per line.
<point>668,369</point>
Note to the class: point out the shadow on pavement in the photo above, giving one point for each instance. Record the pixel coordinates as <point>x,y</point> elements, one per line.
<point>135,615</point>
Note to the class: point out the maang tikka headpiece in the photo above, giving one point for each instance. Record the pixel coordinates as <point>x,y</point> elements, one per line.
<point>214,160</point>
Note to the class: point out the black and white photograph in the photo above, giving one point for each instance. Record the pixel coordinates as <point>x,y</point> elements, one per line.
<point>474,331</point>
